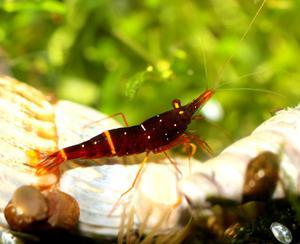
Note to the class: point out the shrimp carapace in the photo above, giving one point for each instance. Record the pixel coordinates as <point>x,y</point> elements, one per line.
<point>156,134</point>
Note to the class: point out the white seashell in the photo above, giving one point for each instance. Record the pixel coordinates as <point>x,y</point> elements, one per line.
<point>26,122</point>
<point>96,188</point>
<point>280,135</point>
<point>8,238</point>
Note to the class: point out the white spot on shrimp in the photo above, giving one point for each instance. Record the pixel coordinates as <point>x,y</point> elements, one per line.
<point>148,137</point>
<point>95,142</point>
<point>251,183</point>
<point>166,134</point>
<point>143,127</point>
<point>82,145</point>
<point>261,173</point>
<point>160,120</point>
<point>175,125</point>
<point>125,133</point>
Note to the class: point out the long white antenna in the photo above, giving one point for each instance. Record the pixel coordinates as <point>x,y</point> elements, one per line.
<point>220,73</point>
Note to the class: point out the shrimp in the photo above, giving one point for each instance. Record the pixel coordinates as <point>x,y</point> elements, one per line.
<point>156,134</point>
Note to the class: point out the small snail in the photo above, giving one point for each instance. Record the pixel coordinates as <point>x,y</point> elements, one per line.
<point>32,209</point>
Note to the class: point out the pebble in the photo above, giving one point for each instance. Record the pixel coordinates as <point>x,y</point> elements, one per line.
<point>281,233</point>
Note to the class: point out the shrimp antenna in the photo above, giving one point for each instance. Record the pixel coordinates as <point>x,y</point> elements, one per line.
<point>205,64</point>
<point>253,89</point>
<point>221,72</point>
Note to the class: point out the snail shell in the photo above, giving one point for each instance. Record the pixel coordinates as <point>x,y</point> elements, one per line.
<point>28,205</point>
<point>63,210</point>
<point>31,209</point>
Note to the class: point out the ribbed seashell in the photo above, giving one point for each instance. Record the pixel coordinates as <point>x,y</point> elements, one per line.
<point>35,124</point>
<point>27,122</point>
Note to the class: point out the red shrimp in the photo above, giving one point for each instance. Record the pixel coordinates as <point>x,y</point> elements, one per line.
<point>156,134</point>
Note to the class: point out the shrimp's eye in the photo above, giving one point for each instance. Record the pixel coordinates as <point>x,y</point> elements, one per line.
<point>176,103</point>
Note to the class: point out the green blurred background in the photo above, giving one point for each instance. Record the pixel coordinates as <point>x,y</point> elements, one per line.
<point>135,57</point>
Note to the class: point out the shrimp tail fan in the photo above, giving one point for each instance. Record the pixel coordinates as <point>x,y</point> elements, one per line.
<point>50,163</point>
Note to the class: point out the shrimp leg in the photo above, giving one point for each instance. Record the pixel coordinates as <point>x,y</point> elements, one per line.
<point>201,143</point>
<point>172,162</point>
<point>132,185</point>
<point>137,175</point>
<point>108,117</point>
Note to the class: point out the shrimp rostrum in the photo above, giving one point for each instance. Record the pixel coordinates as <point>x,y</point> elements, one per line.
<point>156,134</point>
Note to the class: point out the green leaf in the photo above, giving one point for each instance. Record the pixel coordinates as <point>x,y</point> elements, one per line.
<point>134,83</point>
